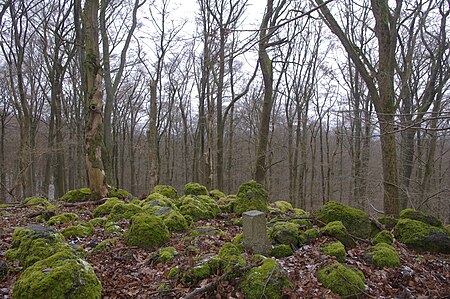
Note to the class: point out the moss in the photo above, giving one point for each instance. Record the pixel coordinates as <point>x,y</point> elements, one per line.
<point>356,221</point>
<point>237,221</point>
<point>384,236</point>
<point>342,280</point>
<point>383,255</point>
<point>105,245</point>
<point>165,190</point>
<point>207,230</point>
<point>34,243</point>
<point>199,207</point>
<point>62,218</point>
<point>301,223</point>
<point>62,275</point>
<point>195,189</point>
<point>173,272</point>
<point>42,204</point>
<point>112,227</point>
<point>337,229</point>
<point>285,233</point>
<point>310,234</point>
<point>77,195</point>
<point>265,281</point>
<point>196,273</point>
<point>98,221</point>
<point>251,196</point>
<point>6,205</point>
<point>78,231</point>
<point>422,236</point>
<point>124,211</point>
<point>281,251</point>
<point>230,256</point>
<point>388,221</point>
<point>217,194</point>
<point>166,254</point>
<point>336,249</point>
<point>106,207</point>
<point>300,212</point>
<point>119,193</point>
<point>226,204</point>
<point>238,239</point>
<point>175,222</point>
<point>280,206</point>
<point>158,200</point>
<point>147,231</point>
<point>419,216</point>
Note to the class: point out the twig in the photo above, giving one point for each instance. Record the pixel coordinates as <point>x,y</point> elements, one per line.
<point>82,203</point>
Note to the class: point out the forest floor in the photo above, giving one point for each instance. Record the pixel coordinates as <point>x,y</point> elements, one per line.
<point>129,272</point>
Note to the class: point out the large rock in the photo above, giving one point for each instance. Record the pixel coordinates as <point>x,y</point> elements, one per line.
<point>419,216</point>
<point>147,231</point>
<point>344,281</point>
<point>165,190</point>
<point>251,196</point>
<point>356,221</point>
<point>421,236</point>
<point>200,207</point>
<point>285,233</point>
<point>195,189</point>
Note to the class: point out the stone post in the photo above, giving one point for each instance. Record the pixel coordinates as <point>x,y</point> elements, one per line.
<point>255,235</point>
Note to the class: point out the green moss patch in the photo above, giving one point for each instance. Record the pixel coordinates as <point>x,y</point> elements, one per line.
<point>147,231</point>
<point>165,190</point>
<point>230,256</point>
<point>419,216</point>
<point>281,251</point>
<point>217,194</point>
<point>106,207</point>
<point>199,207</point>
<point>285,233</point>
<point>195,189</point>
<point>265,281</point>
<point>226,204</point>
<point>422,236</point>
<point>384,236</point>
<point>34,243</point>
<point>341,280</point>
<point>338,230</point>
<point>175,222</point>
<point>119,193</point>
<point>77,195</point>
<point>251,196</point>
<point>356,221</point>
<point>124,211</point>
<point>105,245</point>
<point>62,275</point>
<point>383,255</point>
<point>62,218</point>
<point>336,249</point>
<point>388,221</point>
<point>166,254</point>
<point>78,231</point>
<point>310,234</point>
<point>280,207</point>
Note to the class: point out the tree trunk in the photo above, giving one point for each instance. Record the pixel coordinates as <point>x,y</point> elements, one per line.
<point>152,136</point>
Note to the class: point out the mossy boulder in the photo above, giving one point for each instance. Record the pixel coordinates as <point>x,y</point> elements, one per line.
<point>105,245</point>
<point>34,243</point>
<point>77,195</point>
<point>280,207</point>
<point>251,196</point>
<point>40,203</point>
<point>158,200</point>
<point>302,223</point>
<point>175,222</point>
<point>78,231</point>
<point>420,216</point>
<point>310,234</point>
<point>166,254</point>
<point>336,249</point>
<point>147,231</point>
<point>217,194</point>
<point>383,255</point>
<point>265,281</point>
<point>230,256</point>
<point>421,236</point>
<point>106,207</point>
<point>343,281</point>
<point>388,221</point>
<point>226,204</point>
<point>62,218</point>
<point>285,233</point>
<point>124,211</point>
<point>195,189</point>
<point>356,221</point>
<point>338,230</point>
<point>201,207</point>
<point>119,193</point>
<point>62,275</point>
<point>384,236</point>
<point>281,251</point>
<point>165,190</point>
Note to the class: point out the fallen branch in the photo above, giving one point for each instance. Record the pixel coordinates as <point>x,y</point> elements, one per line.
<point>83,203</point>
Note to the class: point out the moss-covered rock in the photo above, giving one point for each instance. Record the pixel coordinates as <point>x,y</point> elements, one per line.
<point>338,230</point>
<point>207,230</point>
<point>336,249</point>
<point>341,280</point>
<point>280,207</point>
<point>40,202</point>
<point>300,212</point>
<point>106,207</point>
<point>217,194</point>
<point>105,245</point>
<point>165,190</point>
<point>62,218</point>
<point>281,251</point>
<point>419,216</point>
<point>303,223</point>
<point>199,207</point>
<point>356,221</point>
<point>98,222</point>
<point>383,255</point>
<point>78,231</point>
<point>124,211</point>
<point>166,254</point>
<point>77,195</point>
<point>173,272</point>
<point>112,227</point>
<point>34,243</point>
<point>62,275</point>
<point>230,256</point>
<point>195,189</point>
<point>388,221</point>
<point>147,231</point>
<point>175,222</point>
<point>158,200</point>
<point>422,236</point>
<point>251,196</point>
<point>226,204</point>
<point>119,193</point>
<point>310,234</point>
<point>265,281</point>
<point>285,233</point>
<point>196,273</point>
<point>384,236</point>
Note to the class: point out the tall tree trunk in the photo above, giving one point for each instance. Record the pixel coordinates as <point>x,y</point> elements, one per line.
<point>152,136</point>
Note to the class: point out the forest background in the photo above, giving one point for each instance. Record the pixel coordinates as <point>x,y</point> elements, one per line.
<point>343,100</point>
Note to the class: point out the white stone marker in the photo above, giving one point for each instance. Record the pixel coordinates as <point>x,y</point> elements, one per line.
<point>255,235</point>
